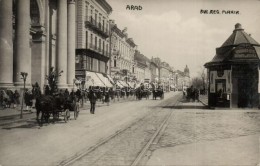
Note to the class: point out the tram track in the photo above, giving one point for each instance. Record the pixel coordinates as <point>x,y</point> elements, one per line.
<point>155,136</point>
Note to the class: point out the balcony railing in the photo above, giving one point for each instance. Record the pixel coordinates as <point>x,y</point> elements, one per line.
<point>97,26</point>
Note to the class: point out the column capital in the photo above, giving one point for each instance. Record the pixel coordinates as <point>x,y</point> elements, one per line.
<point>71,1</point>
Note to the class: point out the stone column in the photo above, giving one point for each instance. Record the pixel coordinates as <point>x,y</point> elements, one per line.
<point>71,41</point>
<point>47,45</point>
<point>61,61</point>
<point>6,44</point>
<point>22,59</point>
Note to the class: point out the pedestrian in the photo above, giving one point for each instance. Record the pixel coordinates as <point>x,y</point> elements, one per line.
<point>16,98</point>
<point>92,98</point>
<point>28,100</point>
<point>66,94</point>
<point>107,100</point>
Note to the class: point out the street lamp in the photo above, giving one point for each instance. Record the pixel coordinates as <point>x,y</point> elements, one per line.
<point>24,76</point>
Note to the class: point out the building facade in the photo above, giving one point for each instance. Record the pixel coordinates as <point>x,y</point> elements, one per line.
<point>122,54</point>
<point>93,43</point>
<point>154,71</point>
<point>181,79</point>
<point>35,35</point>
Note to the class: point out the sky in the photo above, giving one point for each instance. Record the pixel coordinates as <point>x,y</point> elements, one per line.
<point>177,32</point>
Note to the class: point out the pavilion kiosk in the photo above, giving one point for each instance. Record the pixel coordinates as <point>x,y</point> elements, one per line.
<point>233,73</point>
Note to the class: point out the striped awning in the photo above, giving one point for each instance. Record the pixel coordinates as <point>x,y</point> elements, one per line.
<point>104,80</point>
<point>93,80</point>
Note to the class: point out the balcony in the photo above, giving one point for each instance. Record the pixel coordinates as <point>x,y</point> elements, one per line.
<point>97,27</point>
<point>92,53</point>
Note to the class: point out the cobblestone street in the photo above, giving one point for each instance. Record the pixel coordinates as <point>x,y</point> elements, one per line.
<point>195,127</point>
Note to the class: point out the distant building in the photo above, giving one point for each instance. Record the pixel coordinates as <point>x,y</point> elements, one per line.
<point>140,67</point>
<point>182,78</point>
<point>233,73</point>
<point>122,54</point>
<point>154,71</point>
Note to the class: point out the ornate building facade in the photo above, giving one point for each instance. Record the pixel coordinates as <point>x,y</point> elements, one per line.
<point>93,43</point>
<point>122,54</point>
<point>36,35</point>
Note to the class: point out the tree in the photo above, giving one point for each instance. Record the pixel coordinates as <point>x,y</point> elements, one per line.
<point>53,79</point>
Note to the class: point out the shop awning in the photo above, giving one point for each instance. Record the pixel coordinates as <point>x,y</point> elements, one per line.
<point>131,84</point>
<point>104,80</point>
<point>119,84</point>
<point>123,83</point>
<point>110,79</point>
<point>93,80</point>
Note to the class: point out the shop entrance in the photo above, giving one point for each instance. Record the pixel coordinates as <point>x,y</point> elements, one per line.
<point>221,94</point>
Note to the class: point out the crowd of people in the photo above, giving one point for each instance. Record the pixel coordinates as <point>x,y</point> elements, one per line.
<point>93,94</point>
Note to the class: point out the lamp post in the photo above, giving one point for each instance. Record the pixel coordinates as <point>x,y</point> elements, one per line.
<point>24,76</point>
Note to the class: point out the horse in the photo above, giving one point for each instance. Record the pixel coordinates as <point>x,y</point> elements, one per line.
<point>47,105</point>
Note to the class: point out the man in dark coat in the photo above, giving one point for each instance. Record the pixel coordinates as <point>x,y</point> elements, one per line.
<point>92,98</point>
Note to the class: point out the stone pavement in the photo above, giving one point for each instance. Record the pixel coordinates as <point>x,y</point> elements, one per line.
<point>208,137</point>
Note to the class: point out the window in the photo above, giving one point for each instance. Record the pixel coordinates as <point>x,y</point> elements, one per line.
<point>86,14</point>
<point>99,45</point>
<point>91,15</point>
<point>95,42</point>
<point>103,51</point>
<point>86,39</point>
<point>107,50</point>
<point>114,63</point>
<point>95,18</point>
<point>91,41</point>
<point>99,22</point>
<point>103,24</point>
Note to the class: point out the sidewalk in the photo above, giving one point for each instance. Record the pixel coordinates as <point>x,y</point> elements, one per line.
<point>7,112</point>
<point>184,104</point>
<point>10,115</point>
<point>204,99</point>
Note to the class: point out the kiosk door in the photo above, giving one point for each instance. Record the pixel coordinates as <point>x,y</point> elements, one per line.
<point>221,95</point>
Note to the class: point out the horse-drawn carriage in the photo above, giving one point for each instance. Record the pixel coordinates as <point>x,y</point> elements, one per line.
<point>55,106</point>
<point>54,103</point>
<point>158,93</point>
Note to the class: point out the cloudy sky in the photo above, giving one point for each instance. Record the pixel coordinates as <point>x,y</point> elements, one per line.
<point>175,31</point>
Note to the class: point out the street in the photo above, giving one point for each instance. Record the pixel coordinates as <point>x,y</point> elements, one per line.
<point>147,132</point>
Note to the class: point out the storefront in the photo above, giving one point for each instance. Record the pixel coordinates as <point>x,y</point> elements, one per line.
<point>234,72</point>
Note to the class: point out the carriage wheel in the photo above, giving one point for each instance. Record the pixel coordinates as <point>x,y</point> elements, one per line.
<point>76,112</point>
<point>66,115</point>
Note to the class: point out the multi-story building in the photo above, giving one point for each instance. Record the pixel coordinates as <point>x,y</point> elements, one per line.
<point>181,79</point>
<point>122,54</point>
<point>93,45</point>
<point>35,35</point>
<point>154,71</point>
<point>140,67</point>
<point>147,70</point>
<point>165,75</point>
